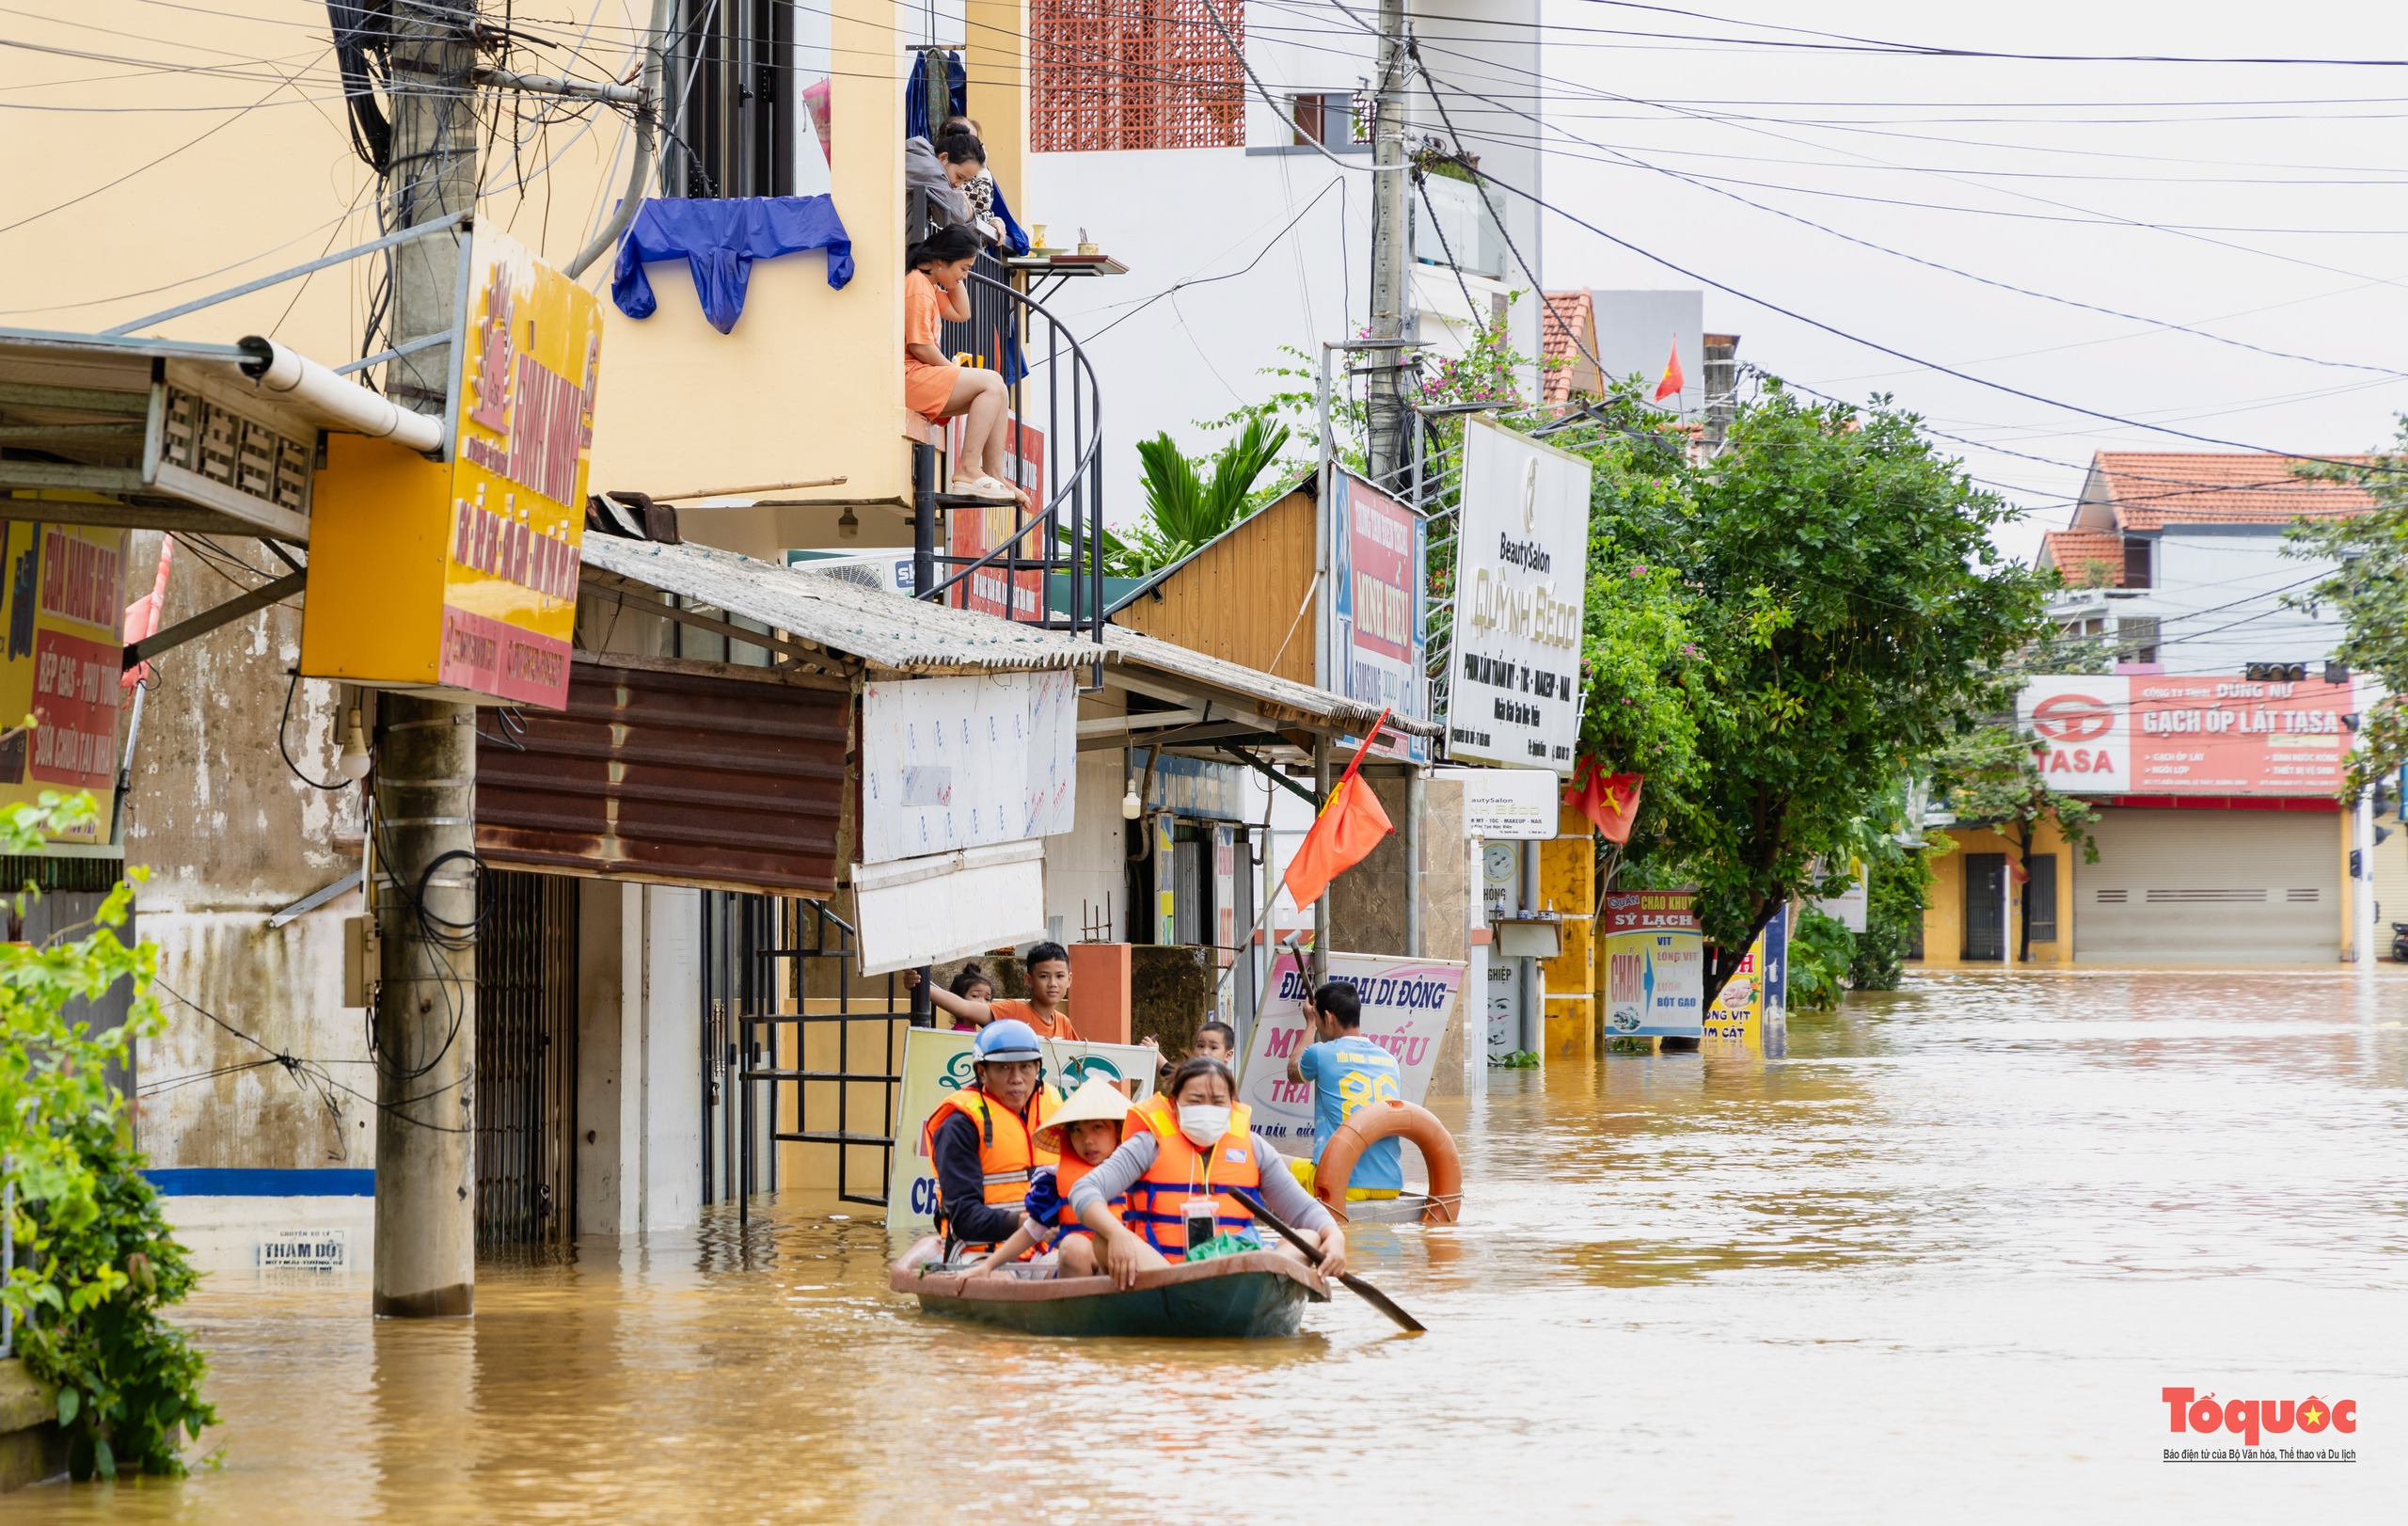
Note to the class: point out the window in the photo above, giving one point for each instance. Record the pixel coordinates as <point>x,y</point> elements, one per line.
<point>2137,561</point>
<point>731,67</point>
<point>1330,118</point>
<point>2040,894</point>
<point>1134,74</point>
<point>2136,638</point>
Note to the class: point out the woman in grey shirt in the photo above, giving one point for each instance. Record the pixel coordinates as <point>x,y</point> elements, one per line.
<point>1201,1096</point>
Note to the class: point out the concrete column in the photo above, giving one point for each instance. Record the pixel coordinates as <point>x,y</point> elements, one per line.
<point>1568,885</point>
<point>995,60</point>
<point>604,1203</point>
<point>671,1056</point>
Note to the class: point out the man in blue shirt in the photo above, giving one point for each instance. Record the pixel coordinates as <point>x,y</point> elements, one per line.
<point>1347,1072</point>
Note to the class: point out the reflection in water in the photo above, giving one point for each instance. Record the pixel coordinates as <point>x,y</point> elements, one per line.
<point>1961,1232</point>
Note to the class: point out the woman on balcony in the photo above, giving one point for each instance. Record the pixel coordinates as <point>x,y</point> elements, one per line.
<point>937,289</point>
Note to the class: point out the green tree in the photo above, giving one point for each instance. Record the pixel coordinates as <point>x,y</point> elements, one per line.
<point>2369,590</point>
<point>1638,650</point>
<point>1850,615</point>
<point>1994,777</point>
<point>1186,506</point>
<point>95,1261</point>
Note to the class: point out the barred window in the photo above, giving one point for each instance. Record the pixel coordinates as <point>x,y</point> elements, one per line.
<point>1134,74</point>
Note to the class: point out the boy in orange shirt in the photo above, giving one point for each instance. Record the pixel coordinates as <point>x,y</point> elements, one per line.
<point>1049,986</point>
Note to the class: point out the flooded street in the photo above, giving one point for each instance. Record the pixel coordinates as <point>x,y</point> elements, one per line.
<point>1934,1264</point>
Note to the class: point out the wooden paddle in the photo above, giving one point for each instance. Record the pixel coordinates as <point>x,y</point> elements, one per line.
<point>1355,1285</point>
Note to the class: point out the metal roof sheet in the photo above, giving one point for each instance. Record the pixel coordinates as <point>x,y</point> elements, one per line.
<point>1282,699</point>
<point>906,635</point>
<point>900,634</point>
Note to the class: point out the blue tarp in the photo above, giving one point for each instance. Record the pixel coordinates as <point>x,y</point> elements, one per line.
<point>1015,236</point>
<point>719,238</point>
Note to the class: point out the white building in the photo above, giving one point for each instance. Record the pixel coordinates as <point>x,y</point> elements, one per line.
<point>1242,236</point>
<point>2175,562</point>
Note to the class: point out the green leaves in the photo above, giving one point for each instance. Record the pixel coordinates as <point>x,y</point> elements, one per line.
<point>2369,590</point>
<point>1840,609</point>
<point>1184,508</point>
<point>95,1258</point>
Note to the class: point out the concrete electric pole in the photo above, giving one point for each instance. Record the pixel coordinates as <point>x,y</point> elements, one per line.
<point>1392,254</point>
<point>425,889</point>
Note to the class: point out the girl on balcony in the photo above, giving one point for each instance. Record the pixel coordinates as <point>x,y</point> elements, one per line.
<point>937,289</point>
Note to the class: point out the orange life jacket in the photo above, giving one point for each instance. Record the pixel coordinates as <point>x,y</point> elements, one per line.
<point>1067,1175</point>
<point>1182,1171</point>
<point>1006,1156</point>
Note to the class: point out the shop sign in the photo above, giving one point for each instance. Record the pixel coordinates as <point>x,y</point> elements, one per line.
<point>461,576</point>
<point>1513,679</point>
<point>974,529</point>
<point>1407,1003</point>
<point>1192,786</point>
<point>2212,735</point>
<point>1750,1004</point>
<point>63,604</point>
<point>1376,626</point>
<point>954,763</point>
<point>1655,964</point>
<point>1510,805</point>
<point>938,1060</point>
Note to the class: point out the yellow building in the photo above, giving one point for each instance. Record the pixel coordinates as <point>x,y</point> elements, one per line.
<point>2179,880</point>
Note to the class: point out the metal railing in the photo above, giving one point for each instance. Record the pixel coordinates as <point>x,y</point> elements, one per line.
<point>825,942</point>
<point>1014,575</point>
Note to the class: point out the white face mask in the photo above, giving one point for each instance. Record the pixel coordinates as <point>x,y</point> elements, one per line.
<point>1202,1123</point>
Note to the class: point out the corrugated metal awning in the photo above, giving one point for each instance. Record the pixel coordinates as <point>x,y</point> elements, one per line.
<point>899,635</point>
<point>909,636</point>
<point>673,777</point>
<point>1279,699</point>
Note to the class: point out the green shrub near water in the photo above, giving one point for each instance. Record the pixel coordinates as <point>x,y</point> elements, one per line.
<point>1820,948</point>
<point>95,1262</point>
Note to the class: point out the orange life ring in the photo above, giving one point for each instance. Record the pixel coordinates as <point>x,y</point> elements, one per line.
<point>1392,1116</point>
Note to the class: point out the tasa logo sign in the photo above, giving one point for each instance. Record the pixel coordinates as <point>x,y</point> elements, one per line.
<point>2067,719</point>
<point>2080,727</point>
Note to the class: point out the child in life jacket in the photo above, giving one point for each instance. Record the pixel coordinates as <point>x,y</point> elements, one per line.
<point>1084,1130</point>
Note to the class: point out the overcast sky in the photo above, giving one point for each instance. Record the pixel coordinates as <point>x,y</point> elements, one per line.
<point>2290,183</point>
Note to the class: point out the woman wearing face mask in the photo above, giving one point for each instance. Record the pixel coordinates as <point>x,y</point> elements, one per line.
<point>1191,1154</point>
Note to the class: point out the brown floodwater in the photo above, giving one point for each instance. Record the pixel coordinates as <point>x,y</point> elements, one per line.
<point>1936,1265</point>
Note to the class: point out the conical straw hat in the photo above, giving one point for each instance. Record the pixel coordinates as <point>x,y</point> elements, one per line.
<point>1096,1098</point>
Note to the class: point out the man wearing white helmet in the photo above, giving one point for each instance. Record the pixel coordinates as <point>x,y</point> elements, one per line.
<point>980,1141</point>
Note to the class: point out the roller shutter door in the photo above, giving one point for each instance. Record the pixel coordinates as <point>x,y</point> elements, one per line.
<point>2210,888</point>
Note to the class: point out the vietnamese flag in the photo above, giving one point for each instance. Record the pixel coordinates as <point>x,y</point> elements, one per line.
<point>1673,381</point>
<point>1350,824</point>
<point>1610,800</point>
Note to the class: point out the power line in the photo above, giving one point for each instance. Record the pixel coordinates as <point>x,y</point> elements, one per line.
<point>1954,270</point>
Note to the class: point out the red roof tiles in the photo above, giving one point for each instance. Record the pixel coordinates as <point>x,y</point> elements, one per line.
<point>2149,490</point>
<point>2076,553</point>
<point>1567,321</point>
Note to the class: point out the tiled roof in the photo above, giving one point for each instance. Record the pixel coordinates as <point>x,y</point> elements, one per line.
<point>2072,551</point>
<point>1566,319</point>
<point>2149,490</point>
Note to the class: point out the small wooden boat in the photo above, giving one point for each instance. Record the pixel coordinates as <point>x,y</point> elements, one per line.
<point>1259,1292</point>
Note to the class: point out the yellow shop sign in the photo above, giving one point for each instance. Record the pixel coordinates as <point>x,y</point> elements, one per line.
<point>460,577</point>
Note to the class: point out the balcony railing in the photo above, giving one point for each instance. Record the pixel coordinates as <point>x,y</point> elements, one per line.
<point>1038,568</point>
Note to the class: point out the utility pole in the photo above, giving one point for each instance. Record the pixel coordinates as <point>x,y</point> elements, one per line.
<point>425,887</point>
<point>1391,257</point>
